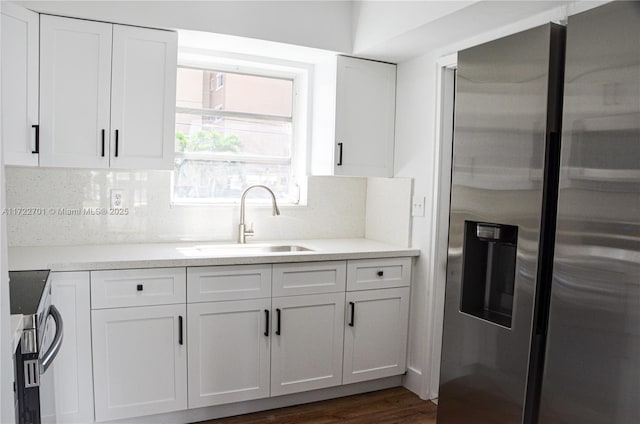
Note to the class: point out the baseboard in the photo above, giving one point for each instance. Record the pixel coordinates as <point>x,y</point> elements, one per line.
<point>413,381</point>
<point>228,410</point>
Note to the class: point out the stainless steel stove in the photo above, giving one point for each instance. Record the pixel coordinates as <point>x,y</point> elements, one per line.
<point>30,295</point>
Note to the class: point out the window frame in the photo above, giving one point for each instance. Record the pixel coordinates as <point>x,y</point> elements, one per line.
<point>301,75</point>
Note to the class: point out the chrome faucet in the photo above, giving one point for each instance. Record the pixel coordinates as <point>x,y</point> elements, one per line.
<point>243,233</point>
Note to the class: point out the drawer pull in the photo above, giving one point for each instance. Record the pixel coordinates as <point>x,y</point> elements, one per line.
<point>266,327</point>
<point>139,287</point>
<point>278,322</point>
<point>102,148</point>
<point>117,142</point>
<point>37,146</point>
<point>353,313</point>
<point>380,273</point>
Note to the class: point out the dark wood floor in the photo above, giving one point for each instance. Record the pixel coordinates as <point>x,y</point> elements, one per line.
<point>391,406</point>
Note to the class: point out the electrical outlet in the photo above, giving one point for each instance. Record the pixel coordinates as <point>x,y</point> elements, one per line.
<point>417,206</point>
<point>117,199</point>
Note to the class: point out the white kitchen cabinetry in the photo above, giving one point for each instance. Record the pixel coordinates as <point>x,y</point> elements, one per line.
<point>107,95</point>
<point>19,44</point>
<point>138,287</point>
<point>143,98</point>
<point>309,278</point>
<point>367,274</point>
<point>306,350</point>
<point>361,95</point>
<point>231,282</point>
<point>229,350</point>
<point>72,369</point>
<point>375,340</point>
<point>139,360</point>
<point>365,117</point>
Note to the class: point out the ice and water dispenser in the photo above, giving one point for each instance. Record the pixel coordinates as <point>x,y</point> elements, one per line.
<point>488,271</point>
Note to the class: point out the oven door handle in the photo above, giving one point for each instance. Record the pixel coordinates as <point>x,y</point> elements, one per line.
<point>56,344</point>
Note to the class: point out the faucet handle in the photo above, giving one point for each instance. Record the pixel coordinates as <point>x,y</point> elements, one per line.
<point>249,232</point>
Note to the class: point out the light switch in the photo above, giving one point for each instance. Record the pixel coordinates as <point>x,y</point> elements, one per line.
<point>417,206</point>
<point>117,199</point>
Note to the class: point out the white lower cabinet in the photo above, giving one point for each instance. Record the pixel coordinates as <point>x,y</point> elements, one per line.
<point>229,347</point>
<point>375,339</point>
<point>139,360</point>
<point>72,371</point>
<point>306,350</point>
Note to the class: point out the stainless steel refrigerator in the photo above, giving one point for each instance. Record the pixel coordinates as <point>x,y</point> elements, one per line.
<point>542,303</point>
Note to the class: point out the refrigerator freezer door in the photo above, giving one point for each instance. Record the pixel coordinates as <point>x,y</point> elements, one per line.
<point>501,125</point>
<point>592,370</point>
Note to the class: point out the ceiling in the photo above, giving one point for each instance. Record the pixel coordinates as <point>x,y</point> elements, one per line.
<point>387,30</point>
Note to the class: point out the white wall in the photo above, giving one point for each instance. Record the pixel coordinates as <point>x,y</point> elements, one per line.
<point>415,109</point>
<point>319,24</point>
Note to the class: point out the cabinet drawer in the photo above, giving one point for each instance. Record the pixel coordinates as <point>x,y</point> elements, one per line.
<point>137,287</point>
<point>365,274</point>
<point>309,278</point>
<point>235,282</point>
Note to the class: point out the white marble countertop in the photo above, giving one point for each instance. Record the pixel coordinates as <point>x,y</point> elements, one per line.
<point>17,326</point>
<point>124,256</point>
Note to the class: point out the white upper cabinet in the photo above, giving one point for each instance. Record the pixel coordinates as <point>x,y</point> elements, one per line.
<point>107,95</point>
<point>19,44</point>
<point>75,85</point>
<point>354,118</point>
<point>143,97</point>
<point>365,117</point>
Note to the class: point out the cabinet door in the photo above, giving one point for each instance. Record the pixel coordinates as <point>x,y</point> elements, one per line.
<point>229,347</point>
<point>72,369</point>
<point>375,339</point>
<point>75,81</point>
<point>139,361</point>
<point>143,98</point>
<point>19,41</point>
<point>306,350</point>
<point>365,117</point>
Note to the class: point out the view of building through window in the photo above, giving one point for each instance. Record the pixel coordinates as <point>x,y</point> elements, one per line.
<point>232,130</point>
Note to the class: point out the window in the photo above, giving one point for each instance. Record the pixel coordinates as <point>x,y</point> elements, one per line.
<point>219,80</point>
<point>227,140</point>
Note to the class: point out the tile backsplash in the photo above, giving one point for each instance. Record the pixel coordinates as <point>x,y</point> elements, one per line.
<point>335,209</point>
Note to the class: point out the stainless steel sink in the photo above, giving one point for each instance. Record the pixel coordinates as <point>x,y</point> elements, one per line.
<point>242,249</point>
<point>285,248</point>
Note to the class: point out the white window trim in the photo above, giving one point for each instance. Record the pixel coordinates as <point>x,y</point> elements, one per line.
<point>300,73</point>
